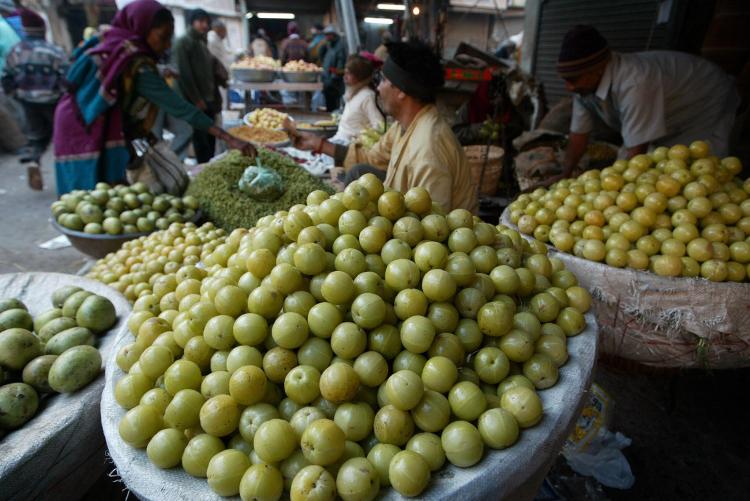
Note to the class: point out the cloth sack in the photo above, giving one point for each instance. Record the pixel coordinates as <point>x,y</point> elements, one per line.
<point>158,167</point>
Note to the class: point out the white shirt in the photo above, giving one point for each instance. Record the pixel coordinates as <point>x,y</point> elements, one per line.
<point>219,49</point>
<point>661,97</point>
<point>360,112</point>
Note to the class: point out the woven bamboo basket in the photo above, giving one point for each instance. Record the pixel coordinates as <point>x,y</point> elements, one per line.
<point>476,155</point>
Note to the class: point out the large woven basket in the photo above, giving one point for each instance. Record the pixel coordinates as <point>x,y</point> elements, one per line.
<point>665,322</point>
<point>476,155</point>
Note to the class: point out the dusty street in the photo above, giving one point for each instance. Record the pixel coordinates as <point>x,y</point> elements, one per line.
<point>25,222</point>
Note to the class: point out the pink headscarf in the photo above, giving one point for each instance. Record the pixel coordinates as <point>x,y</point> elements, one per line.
<point>125,40</point>
<point>375,60</point>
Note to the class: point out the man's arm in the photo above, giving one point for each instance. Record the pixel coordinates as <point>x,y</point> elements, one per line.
<point>378,155</point>
<point>576,148</point>
<point>436,181</point>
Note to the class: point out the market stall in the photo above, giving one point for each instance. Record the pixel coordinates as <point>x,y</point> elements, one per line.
<point>524,403</point>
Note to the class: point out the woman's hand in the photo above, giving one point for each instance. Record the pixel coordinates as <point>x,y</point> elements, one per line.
<point>245,148</point>
<point>233,143</point>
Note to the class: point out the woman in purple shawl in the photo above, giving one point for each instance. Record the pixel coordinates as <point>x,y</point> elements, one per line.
<point>115,93</point>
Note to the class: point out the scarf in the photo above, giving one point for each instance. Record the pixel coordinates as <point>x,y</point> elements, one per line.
<point>124,41</point>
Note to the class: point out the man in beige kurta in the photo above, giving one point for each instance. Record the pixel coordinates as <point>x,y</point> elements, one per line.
<point>426,154</point>
<point>419,149</point>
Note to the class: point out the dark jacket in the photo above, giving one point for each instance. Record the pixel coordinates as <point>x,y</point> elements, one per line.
<point>333,55</point>
<point>293,49</point>
<point>196,68</point>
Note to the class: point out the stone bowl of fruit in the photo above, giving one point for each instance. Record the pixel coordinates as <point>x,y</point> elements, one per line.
<point>99,221</point>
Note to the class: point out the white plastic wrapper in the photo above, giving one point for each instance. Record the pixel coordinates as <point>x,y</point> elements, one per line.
<point>59,453</point>
<point>513,473</point>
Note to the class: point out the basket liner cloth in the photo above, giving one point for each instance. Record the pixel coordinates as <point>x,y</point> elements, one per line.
<point>59,453</point>
<point>513,473</point>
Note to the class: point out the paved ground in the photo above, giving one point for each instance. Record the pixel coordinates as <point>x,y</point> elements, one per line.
<point>689,428</point>
<point>689,431</point>
<point>25,222</point>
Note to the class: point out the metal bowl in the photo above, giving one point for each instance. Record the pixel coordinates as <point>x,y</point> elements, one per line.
<point>326,131</point>
<point>246,121</point>
<point>300,76</point>
<point>98,245</point>
<point>282,144</point>
<point>253,75</point>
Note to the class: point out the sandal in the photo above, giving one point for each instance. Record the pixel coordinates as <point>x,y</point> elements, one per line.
<point>34,177</point>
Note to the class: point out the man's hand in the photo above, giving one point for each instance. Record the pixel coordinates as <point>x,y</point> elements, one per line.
<point>337,178</point>
<point>201,105</point>
<point>544,184</point>
<point>336,172</point>
<point>306,141</point>
<point>636,150</point>
<point>290,126</point>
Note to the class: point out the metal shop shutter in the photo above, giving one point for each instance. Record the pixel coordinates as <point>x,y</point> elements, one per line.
<point>629,26</point>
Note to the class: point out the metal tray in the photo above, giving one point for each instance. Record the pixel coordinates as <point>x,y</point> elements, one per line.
<point>253,75</point>
<point>326,131</point>
<point>98,245</point>
<point>300,76</point>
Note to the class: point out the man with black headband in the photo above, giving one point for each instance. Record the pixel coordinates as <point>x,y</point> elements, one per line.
<point>419,149</point>
<point>656,98</point>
